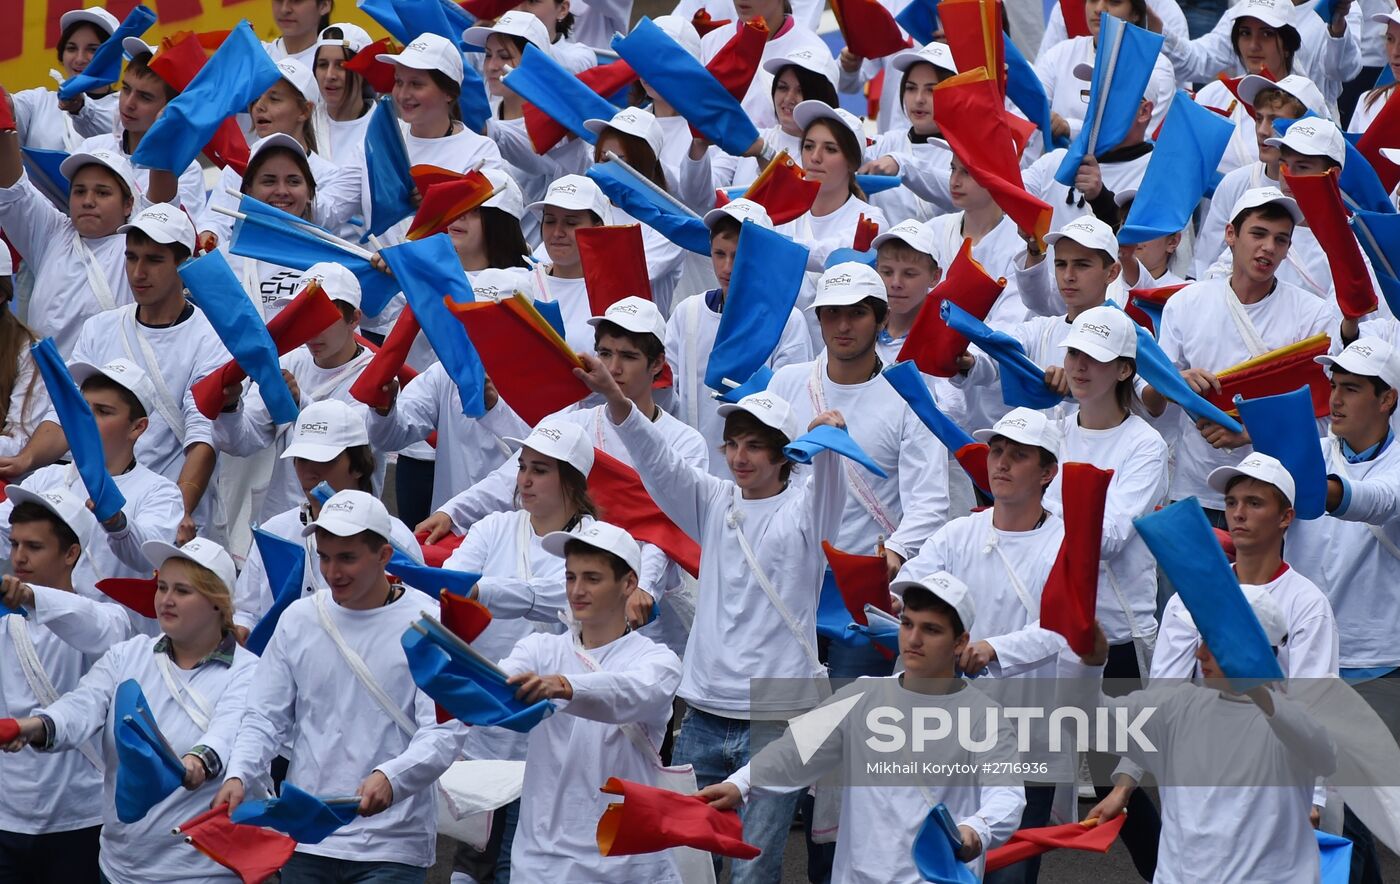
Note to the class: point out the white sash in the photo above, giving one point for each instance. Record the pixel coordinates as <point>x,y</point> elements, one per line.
<point>695,379</point>
<point>734,519</point>
<point>38,677</point>
<point>101,289</point>
<point>1343,469</point>
<point>361,670</point>
<point>855,477</point>
<point>993,545</point>
<point>165,401</point>
<point>196,706</point>
<point>1253,341</point>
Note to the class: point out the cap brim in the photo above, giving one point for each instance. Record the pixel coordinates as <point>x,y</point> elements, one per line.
<point>554,542</point>
<point>157,551</point>
<point>986,435</point>
<point>1220,477</point>
<point>1092,349</point>
<point>478,35</point>
<point>311,451</point>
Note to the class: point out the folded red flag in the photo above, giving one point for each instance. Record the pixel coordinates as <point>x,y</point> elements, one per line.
<point>180,57</point>
<point>306,316</point>
<point>973,31</point>
<point>386,363</point>
<point>863,580</point>
<point>1071,591</point>
<point>9,730</point>
<point>1320,199</point>
<point>1076,23</point>
<point>783,190</point>
<point>623,500</point>
<point>445,199</point>
<point>136,593</point>
<point>737,61</point>
<point>931,344</point>
<point>464,618</point>
<point>703,23</point>
<point>1088,835</point>
<point>1145,305</point>
<point>405,374</point>
<point>614,264</point>
<point>604,79</point>
<point>651,819</point>
<point>253,853</point>
<point>866,231</point>
<point>488,10</point>
<point>869,28</point>
<point>1384,131</point>
<point>972,116</point>
<point>1278,371</point>
<point>973,459</point>
<point>436,554</point>
<point>378,74</point>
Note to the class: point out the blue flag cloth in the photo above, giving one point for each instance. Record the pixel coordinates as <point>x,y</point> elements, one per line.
<point>430,580</point>
<point>299,814</point>
<point>148,770</point>
<point>220,296</point>
<point>934,855</point>
<point>919,19</point>
<point>284,563</point>
<point>1179,172</point>
<point>43,168</point>
<point>636,197</point>
<point>1114,100</point>
<point>386,164</point>
<point>1155,368</point>
<point>428,270</point>
<point>1153,311</point>
<point>908,382</point>
<point>387,16</point>
<point>841,256</point>
<point>105,68</point>
<point>757,383</point>
<point>1385,77</point>
<point>1334,854</point>
<point>80,428</point>
<point>562,97</point>
<point>238,72</point>
<point>687,86</point>
<point>1022,381</point>
<point>1025,90</point>
<point>1379,235</point>
<point>1188,552</point>
<point>832,616</point>
<point>879,632</point>
<point>829,438</point>
<point>1325,9</point>
<point>768,272</point>
<point>1283,427</point>
<point>553,314</point>
<point>469,687</point>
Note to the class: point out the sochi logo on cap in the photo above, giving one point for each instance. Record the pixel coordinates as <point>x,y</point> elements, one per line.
<point>339,506</point>
<point>114,367</point>
<point>1101,331</point>
<point>489,291</point>
<point>317,428</point>
<point>629,309</point>
<point>802,53</point>
<point>1363,349</point>
<point>940,581</point>
<point>1254,460</point>
<point>1016,422</point>
<point>51,497</point>
<point>833,281</point>
<point>566,187</point>
<point>157,216</point>
<point>627,116</point>
<point>1303,130</point>
<point>907,227</point>
<point>549,433</point>
<point>590,531</point>
<point>419,45</point>
<point>761,402</point>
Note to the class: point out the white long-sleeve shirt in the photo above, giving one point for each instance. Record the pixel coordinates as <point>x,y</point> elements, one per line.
<point>1069,95</point>
<point>924,170</point>
<point>45,125</point>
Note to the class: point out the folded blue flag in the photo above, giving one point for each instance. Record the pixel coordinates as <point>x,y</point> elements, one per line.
<point>1334,855</point>
<point>1022,381</point>
<point>768,272</point>
<point>687,86</point>
<point>1185,546</point>
<point>829,438</point>
<point>221,297</point>
<point>909,383</point>
<point>299,814</point>
<point>386,163</point>
<point>1180,170</point>
<point>636,197</point>
<point>879,632</point>
<point>1379,235</point>
<point>80,428</point>
<point>284,563</point>
<point>1025,90</point>
<point>233,78</point>
<point>919,19</point>
<point>832,616</point>
<point>386,16</point>
<point>757,383</point>
<point>105,68</point>
<point>430,580</point>
<point>1114,100</point>
<point>841,256</point>
<point>934,855</point>
<point>1154,367</point>
<point>469,687</point>
<point>1360,185</point>
<point>1325,9</point>
<point>43,168</point>
<point>1283,427</point>
<point>148,770</point>
<point>553,314</point>
<point>562,97</point>
<point>428,270</point>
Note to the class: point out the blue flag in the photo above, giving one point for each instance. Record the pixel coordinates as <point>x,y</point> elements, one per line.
<point>1284,427</point>
<point>832,616</point>
<point>1185,546</point>
<point>687,86</point>
<point>1379,235</point>
<point>636,197</point>
<point>562,97</point>
<point>1334,856</point>
<point>386,164</point>
<point>1130,53</point>
<point>43,168</point>
<point>148,770</point>
<point>757,383</point>
<point>430,580</point>
<point>303,816</point>
<point>428,270</point>
<point>233,78</point>
<point>80,428</point>
<point>879,631</point>
<point>1024,88</point>
<point>767,276</point>
<point>553,314</point>
<point>1154,367</point>
<point>841,256</point>
<point>1180,171</point>
<point>284,563</point>
<point>1022,381</point>
<point>221,297</point>
<point>386,15</point>
<point>829,438</point>
<point>908,382</point>
<point>468,686</point>
<point>105,68</point>
<point>920,21</point>
<point>934,856</point>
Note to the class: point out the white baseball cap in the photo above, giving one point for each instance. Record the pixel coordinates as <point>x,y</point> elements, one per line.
<point>740,210</point>
<point>773,411</point>
<point>350,512</point>
<point>352,37</point>
<point>134,46</point>
<point>301,78</point>
<point>94,15</point>
<point>1369,357</point>
<point>1315,138</point>
<point>1089,232</point>
<point>1026,426</point>
<point>935,53</point>
<point>1274,13</point>
<point>1256,466</point>
<point>324,429</point>
<point>1391,16</point>
<point>276,139</point>
<point>201,550</point>
<point>428,52</point>
<point>849,282</point>
<point>561,440</point>
<point>818,61</point>
<point>1262,196</point>
<point>69,507</point>
<point>912,232</point>
<point>165,224</point>
<point>631,121</point>
<point>681,30</point>
<point>335,280</point>
<point>1103,333</point>
<point>495,284</point>
<point>600,535</point>
<point>946,587</point>
<point>575,193</point>
<point>122,371</point>
<point>808,112</point>
<point>119,165</point>
<point>510,198</point>
<point>635,314</point>
<point>1296,85</point>
<point>513,24</point>
<point>1265,609</point>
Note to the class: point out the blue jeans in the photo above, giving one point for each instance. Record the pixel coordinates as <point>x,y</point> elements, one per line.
<point>304,868</point>
<point>716,747</point>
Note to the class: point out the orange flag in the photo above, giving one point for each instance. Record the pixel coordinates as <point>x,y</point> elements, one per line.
<point>972,29</point>
<point>703,23</point>
<point>1278,371</point>
<point>624,501</point>
<point>1071,591</point>
<point>446,197</point>
<point>782,189</point>
<point>931,344</point>
<point>614,265</point>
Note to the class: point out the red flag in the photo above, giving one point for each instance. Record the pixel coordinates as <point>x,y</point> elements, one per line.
<point>1088,835</point>
<point>436,554</point>
<point>614,264</point>
<point>783,189</point>
<point>181,56</point>
<point>405,374</point>
<point>136,593</point>
<point>651,819</point>
<point>972,30</point>
<point>972,457</point>
<point>1156,299</point>
<point>378,74</point>
<point>604,79</point>
<point>1278,371</point>
<point>737,61</point>
<point>869,28</point>
<point>1071,591</point>
<point>488,10</point>
<point>1076,24</point>
<point>1320,199</point>
<point>446,197</point>
<point>463,617</point>
<point>368,387</point>
<point>253,853</point>
<point>1384,131</point>
<point>931,344</point>
<point>972,116</point>
<point>9,730</point>
<point>703,24</point>
<point>306,316</point>
<point>624,501</point>
<point>866,231</point>
<point>863,580</point>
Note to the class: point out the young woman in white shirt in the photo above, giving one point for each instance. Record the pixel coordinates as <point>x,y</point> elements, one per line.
<point>996,241</point>
<point>558,22</point>
<point>347,99</point>
<point>786,35</point>
<point>1370,104</point>
<point>47,123</point>
<point>833,144</point>
<point>22,392</point>
<point>571,203</point>
<point>917,152</point>
<point>298,23</point>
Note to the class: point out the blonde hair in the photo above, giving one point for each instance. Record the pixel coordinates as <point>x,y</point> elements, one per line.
<point>207,583</point>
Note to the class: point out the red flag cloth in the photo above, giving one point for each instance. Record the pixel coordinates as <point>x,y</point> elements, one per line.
<point>1076,23</point>
<point>1027,843</point>
<point>737,61</point>
<point>651,819</point>
<point>1227,543</point>
<point>614,264</point>
<point>783,190</point>
<point>135,593</point>
<point>605,79</point>
<point>9,727</point>
<point>435,554</point>
<point>972,117</point>
<point>1384,131</point>
<point>931,344</point>
<point>253,853</point>
<point>973,460</point>
<point>446,200</point>
<point>1278,371</point>
<point>463,617</point>
<point>306,316</point>
<point>378,74</point>
<point>531,366</point>
<point>624,501</point>
<point>703,23</point>
<point>369,386</point>
<point>1320,199</point>
<point>869,28</point>
<point>488,10</point>
<point>405,374</point>
<point>866,231</point>
<point>972,30</point>
<point>1154,299</point>
<point>180,57</point>
<point>863,580</point>
<point>7,116</point>
<point>1071,591</point>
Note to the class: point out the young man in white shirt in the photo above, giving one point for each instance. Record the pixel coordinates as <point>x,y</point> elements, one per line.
<point>333,657</point>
